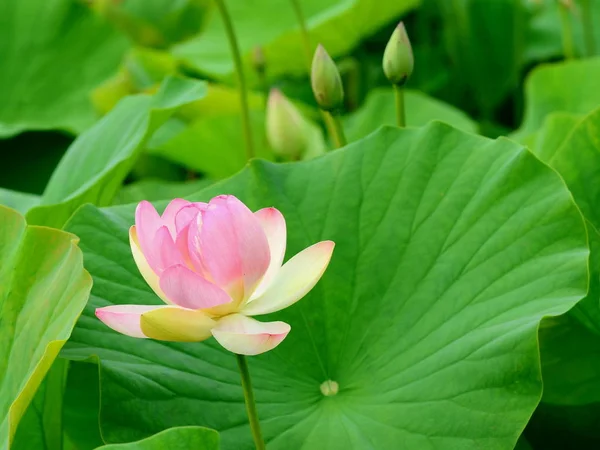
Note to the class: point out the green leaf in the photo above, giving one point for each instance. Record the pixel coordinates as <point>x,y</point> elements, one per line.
<point>566,86</point>
<point>544,40</point>
<point>338,25</point>
<point>82,406</point>
<point>154,190</point>
<point>53,54</point>
<point>41,425</point>
<point>485,40</point>
<point>43,288</point>
<point>570,346</point>
<point>212,142</point>
<point>570,354</point>
<point>380,109</point>
<point>157,23</point>
<point>450,248</point>
<point>183,438</point>
<point>98,161</point>
<point>21,201</point>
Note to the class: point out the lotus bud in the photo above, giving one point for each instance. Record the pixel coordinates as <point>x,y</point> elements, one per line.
<point>285,126</point>
<point>326,81</point>
<point>398,58</point>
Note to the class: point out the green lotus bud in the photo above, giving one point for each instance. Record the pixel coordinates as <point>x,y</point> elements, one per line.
<point>286,128</point>
<point>398,58</point>
<point>326,81</point>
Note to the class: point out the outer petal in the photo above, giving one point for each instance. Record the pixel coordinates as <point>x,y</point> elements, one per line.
<point>175,324</point>
<point>147,223</point>
<point>189,290</point>
<point>295,279</point>
<point>273,224</point>
<point>246,336</point>
<point>125,318</point>
<point>232,246</point>
<point>143,266</point>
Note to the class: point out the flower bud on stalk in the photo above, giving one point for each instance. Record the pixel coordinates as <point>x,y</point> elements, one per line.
<point>285,126</point>
<point>326,81</point>
<point>398,60</point>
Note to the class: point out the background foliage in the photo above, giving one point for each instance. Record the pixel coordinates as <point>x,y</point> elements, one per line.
<point>461,308</point>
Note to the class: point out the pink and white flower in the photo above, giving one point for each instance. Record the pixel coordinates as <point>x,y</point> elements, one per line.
<point>215,265</point>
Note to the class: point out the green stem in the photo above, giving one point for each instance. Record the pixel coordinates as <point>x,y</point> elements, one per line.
<point>588,27</point>
<point>337,131</point>
<point>239,69</point>
<point>567,31</point>
<point>400,114</point>
<point>250,403</point>
<point>303,32</point>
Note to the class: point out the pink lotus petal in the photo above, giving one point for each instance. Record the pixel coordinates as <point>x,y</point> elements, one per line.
<point>140,260</point>
<point>188,213</point>
<point>273,224</point>
<point>164,254</point>
<point>147,223</point>
<point>232,246</point>
<point>168,216</point>
<point>125,319</point>
<point>189,290</point>
<point>246,336</point>
<point>295,279</point>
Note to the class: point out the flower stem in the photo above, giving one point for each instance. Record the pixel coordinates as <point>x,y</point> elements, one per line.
<point>400,114</point>
<point>567,31</point>
<point>239,69</point>
<point>588,27</point>
<point>250,403</point>
<point>335,124</point>
<point>303,31</point>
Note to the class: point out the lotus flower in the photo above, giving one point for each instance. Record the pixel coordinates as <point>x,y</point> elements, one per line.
<point>215,265</point>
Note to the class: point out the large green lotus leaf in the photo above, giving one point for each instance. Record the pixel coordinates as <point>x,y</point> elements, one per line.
<point>43,289</point>
<point>337,24</point>
<point>182,438</point>
<point>98,161</point>
<point>53,54</point>
<point>380,109</point>
<point>450,248</point>
<point>570,346</point>
<point>565,86</point>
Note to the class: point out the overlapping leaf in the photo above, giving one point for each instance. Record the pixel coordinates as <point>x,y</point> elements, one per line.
<point>98,161</point>
<point>43,288</point>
